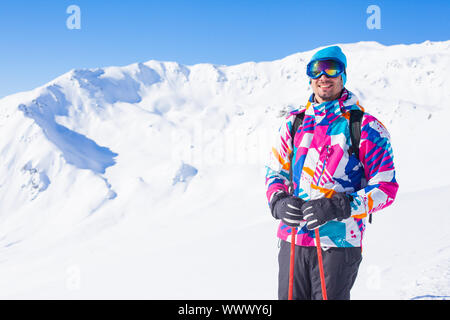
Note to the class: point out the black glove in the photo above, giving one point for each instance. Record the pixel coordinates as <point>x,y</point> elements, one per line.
<point>320,211</point>
<point>287,208</point>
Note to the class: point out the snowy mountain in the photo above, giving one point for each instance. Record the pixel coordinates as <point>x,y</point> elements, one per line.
<point>147,181</point>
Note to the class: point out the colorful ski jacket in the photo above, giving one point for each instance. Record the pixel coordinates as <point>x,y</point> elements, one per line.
<point>323,162</point>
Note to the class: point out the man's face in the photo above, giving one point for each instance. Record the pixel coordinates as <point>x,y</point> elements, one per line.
<point>326,88</point>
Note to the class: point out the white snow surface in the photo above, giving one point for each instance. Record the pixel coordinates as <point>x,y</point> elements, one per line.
<point>147,181</point>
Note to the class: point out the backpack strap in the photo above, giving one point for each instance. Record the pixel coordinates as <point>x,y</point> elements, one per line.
<point>355,130</point>
<point>355,134</point>
<point>298,121</point>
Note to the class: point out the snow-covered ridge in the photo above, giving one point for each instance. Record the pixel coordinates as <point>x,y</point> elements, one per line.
<point>114,153</point>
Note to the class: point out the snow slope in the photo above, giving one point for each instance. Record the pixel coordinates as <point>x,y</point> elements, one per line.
<point>147,181</point>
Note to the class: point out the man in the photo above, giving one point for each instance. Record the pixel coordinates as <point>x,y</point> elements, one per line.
<point>335,185</point>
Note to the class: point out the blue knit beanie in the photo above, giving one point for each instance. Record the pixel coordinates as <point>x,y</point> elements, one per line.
<point>333,53</point>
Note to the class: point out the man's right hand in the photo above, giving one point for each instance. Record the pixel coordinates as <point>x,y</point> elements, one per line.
<point>287,208</point>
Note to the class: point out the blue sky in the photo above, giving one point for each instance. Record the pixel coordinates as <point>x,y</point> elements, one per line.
<point>37,46</point>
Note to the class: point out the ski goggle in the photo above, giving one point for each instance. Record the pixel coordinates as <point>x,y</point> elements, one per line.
<point>330,68</point>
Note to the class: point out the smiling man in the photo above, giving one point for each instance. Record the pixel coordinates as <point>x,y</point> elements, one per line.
<point>331,168</point>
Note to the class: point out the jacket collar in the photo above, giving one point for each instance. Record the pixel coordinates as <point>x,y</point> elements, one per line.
<point>346,102</point>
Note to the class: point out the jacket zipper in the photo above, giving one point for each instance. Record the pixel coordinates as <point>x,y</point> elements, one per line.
<point>324,164</point>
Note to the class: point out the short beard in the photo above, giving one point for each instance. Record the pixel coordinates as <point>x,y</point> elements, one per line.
<point>329,97</point>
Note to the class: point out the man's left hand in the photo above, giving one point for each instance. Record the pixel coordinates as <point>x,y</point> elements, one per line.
<point>320,211</point>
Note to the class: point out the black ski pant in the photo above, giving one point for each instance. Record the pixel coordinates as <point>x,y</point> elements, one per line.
<point>340,268</point>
